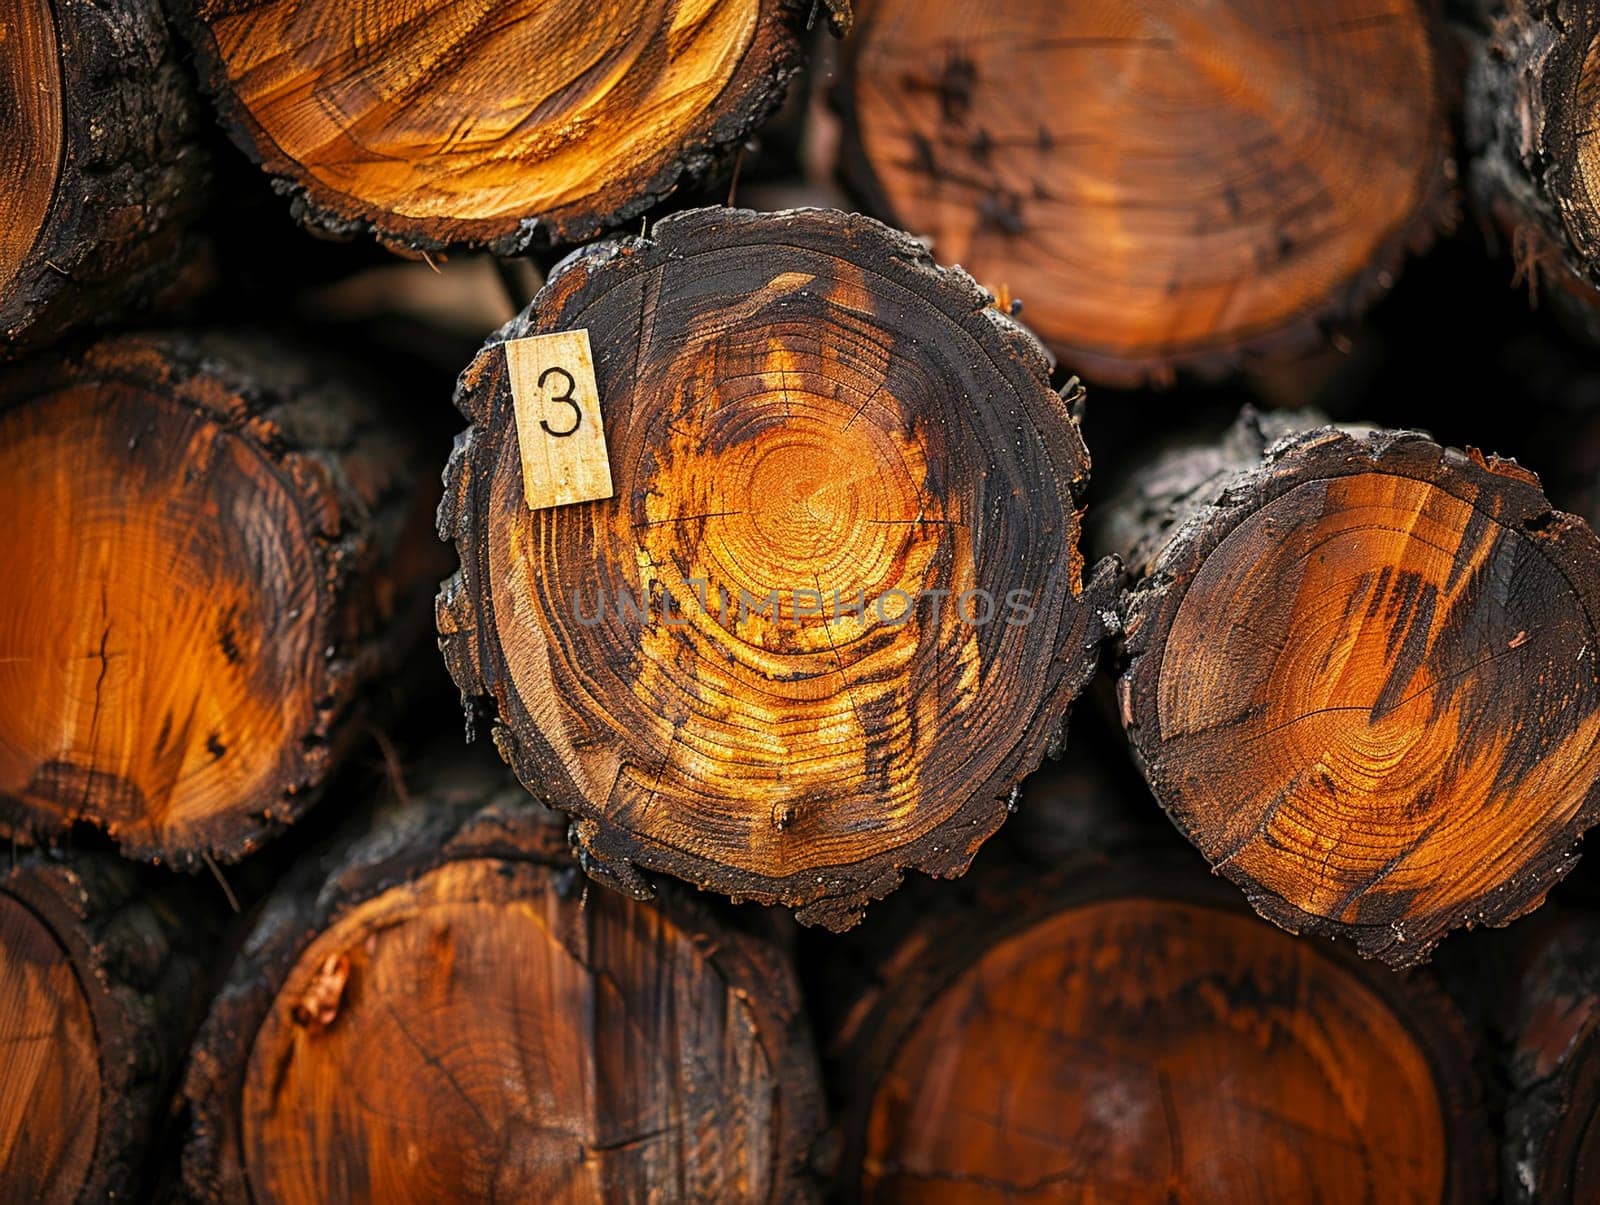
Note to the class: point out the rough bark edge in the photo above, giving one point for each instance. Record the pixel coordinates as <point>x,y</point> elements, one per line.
<point>1206,513</point>
<point>131,180</point>
<point>1137,521</point>
<point>134,953</point>
<point>930,950</point>
<point>1522,171</point>
<point>471,814</point>
<point>1436,213</point>
<point>835,898</point>
<point>354,478</point>
<point>1552,1056</point>
<point>749,98</point>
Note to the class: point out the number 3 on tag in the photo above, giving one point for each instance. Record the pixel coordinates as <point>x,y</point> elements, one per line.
<point>557,406</point>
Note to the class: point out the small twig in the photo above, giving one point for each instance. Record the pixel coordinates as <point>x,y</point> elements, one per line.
<point>216,873</point>
<point>733,184</point>
<point>394,771</point>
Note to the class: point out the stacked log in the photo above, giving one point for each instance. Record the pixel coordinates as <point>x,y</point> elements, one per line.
<point>441,1008</point>
<point>1124,1030</point>
<point>499,126</point>
<point>834,611</point>
<point>217,544</point>
<point>1171,183</point>
<point>100,984</point>
<point>765,543</point>
<point>1360,675</point>
<point>100,175</point>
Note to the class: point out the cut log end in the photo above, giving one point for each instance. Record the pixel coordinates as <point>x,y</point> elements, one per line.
<point>179,680</point>
<point>438,1027</point>
<point>176,653</point>
<point>1364,684</point>
<point>31,135</point>
<point>444,1008</point>
<point>1162,1048</point>
<point>98,997</point>
<point>835,609</point>
<point>50,1110</point>
<point>508,125</point>
<point>1163,184</point>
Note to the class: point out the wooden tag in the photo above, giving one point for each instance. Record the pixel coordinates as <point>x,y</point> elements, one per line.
<point>557,407</point>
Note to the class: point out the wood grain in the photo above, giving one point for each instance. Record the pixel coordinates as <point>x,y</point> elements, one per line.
<point>493,124</point>
<point>98,997</point>
<point>1117,1034</point>
<point>102,178</point>
<point>802,412</point>
<point>52,1098</point>
<point>224,530</point>
<point>1170,182</point>
<point>445,1010</point>
<point>1361,679</point>
<point>461,1063</point>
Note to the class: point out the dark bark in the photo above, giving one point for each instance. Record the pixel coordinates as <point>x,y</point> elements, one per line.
<point>101,172</point>
<point>1552,1036</point>
<point>1532,108</point>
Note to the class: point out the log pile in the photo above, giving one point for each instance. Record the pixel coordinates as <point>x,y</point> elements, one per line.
<point>778,550</point>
